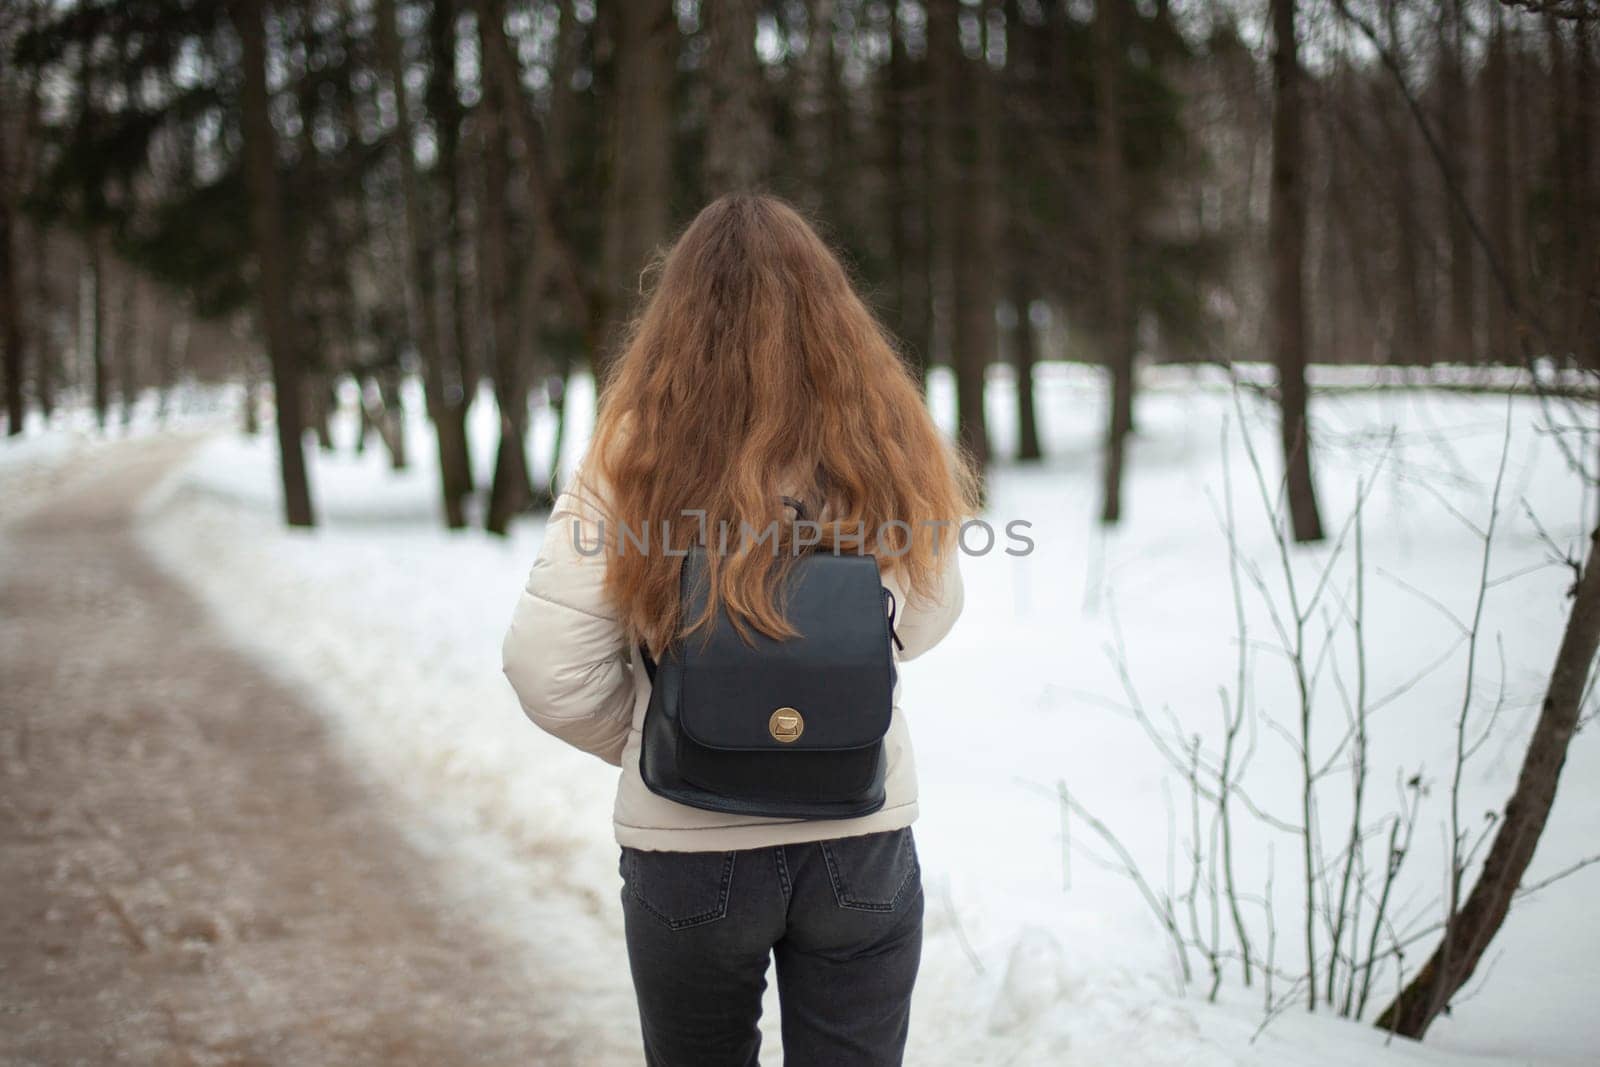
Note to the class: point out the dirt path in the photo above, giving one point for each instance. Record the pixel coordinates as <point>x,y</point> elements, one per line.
<point>189,874</point>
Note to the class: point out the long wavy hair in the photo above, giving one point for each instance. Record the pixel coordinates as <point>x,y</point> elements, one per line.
<point>755,371</point>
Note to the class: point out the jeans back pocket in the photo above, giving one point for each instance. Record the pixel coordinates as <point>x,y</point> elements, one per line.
<point>873,872</point>
<point>680,889</point>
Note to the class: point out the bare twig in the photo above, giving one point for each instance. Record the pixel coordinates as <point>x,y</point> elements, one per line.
<point>1130,868</point>
<point>1296,645</point>
<point>1570,869</point>
<point>955,923</point>
<point>1358,757</point>
<point>1457,860</point>
<point>1400,833</point>
<point>1232,722</point>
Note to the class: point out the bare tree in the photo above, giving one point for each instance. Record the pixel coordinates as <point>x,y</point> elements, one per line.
<point>1024,357</point>
<point>444,106</point>
<point>1287,240</point>
<point>1497,187</point>
<point>559,251</point>
<point>966,188</point>
<point>1471,928</point>
<point>43,325</point>
<point>1579,313</point>
<point>15,163</point>
<point>510,492</point>
<point>96,327</point>
<point>272,268</point>
<point>127,344</point>
<point>1454,125</point>
<point>447,411</point>
<point>1117,328</point>
<point>10,305</point>
<point>1413,335</point>
<point>903,132</point>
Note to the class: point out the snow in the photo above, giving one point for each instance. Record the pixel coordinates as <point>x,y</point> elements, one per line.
<point>1034,953</point>
<point>30,462</point>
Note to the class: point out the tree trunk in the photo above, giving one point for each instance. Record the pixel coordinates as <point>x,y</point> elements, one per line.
<point>364,421</point>
<point>42,321</point>
<point>980,334</point>
<point>10,305</point>
<point>844,171</point>
<point>320,403</point>
<point>127,345</point>
<point>1025,355</point>
<point>23,329</point>
<point>736,135</point>
<point>272,270</point>
<point>445,412</point>
<point>906,203</point>
<point>1413,338</point>
<point>556,396</point>
<point>1328,337</point>
<point>381,413</point>
<point>510,492</point>
<point>540,497</point>
<point>810,100</point>
<point>97,329</point>
<point>1358,339</point>
<point>1583,309</point>
<point>640,157</point>
<point>587,304</point>
<point>1563,255</point>
<point>1117,329</point>
<point>1287,242</point>
<point>966,190</point>
<point>392,420</point>
<point>1497,191</point>
<point>1524,89</point>
<point>1454,128</point>
<point>445,107</point>
<point>174,355</point>
<point>252,398</point>
<point>1469,932</point>
<point>562,120</point>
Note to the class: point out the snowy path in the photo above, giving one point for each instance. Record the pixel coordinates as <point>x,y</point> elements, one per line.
<point>192,875</point>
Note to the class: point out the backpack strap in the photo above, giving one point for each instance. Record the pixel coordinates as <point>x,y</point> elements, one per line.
<point>888,596</point>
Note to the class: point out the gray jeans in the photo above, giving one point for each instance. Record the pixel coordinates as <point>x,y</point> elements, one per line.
<point>842,917</point>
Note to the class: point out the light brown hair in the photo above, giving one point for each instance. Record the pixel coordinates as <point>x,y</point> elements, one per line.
<point>755,370</point>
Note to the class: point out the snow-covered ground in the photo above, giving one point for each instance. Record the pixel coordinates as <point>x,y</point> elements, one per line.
<point>30,462</point>
<point>1034,953</point>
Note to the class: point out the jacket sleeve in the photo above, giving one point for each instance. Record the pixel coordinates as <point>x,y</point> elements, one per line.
<point>921,622</point>
<point>566,653</point>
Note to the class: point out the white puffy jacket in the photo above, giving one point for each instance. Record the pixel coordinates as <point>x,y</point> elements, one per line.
<point>579,677</point>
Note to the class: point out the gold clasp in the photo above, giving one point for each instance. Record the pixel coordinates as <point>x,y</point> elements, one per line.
<point>786,725</point>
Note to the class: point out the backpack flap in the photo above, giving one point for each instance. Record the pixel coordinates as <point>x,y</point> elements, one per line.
<point>829,689</point>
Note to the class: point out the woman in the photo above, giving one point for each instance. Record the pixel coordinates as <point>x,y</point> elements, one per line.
<point>754,373</point>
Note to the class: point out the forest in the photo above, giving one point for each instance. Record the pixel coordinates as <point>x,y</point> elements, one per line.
<point>1278,321</point>
<point>298,193</point>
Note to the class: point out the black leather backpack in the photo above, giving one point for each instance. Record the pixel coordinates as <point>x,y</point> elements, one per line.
<point>789,729</point>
